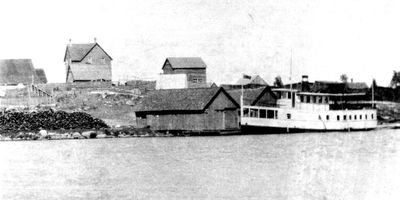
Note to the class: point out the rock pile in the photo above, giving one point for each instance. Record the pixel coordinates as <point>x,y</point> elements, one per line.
<point>11,121</point>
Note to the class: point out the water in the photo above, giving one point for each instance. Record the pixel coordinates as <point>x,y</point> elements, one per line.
<point>358,165</point>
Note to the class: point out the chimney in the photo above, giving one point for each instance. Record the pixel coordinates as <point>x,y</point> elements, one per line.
<point>351,80</point>
<point>95,40</point>
<point>304,83</point>
<point>70,42</point>
<point>304,78</point>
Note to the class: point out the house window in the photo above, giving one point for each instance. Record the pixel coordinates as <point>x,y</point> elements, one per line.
<point>372,116</point>
<point>301,98</point>
<point>344,117</point>
<point>289,116</point>
<point>319,99</point>
<point>319,117</point>
<point>289,95</point>
<point>360,116</point>
<point>327,117</point>
<point>326,100</point>
<point>276,114</point>
<point>355,117</point>
<point>349,117</point>
<point>338,117</point>
<point>263,113</point>
<point>308,99</point>
<point>313,99</point>
<point>89,60</point>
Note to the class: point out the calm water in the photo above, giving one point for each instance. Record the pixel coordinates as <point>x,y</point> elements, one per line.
<point>359,165</point>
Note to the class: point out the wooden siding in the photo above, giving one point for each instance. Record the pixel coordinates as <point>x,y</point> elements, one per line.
<point>97,56</point>
<point>221,114</point>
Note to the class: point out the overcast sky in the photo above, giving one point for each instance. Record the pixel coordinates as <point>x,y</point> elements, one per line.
<point>360,38</point>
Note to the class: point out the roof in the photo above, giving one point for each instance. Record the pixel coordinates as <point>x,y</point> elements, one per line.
<point>186,63</point>
<point>42,75</point>
<point>251,95</point>
<point>194,99</point>
<point>90,72</point>
<point>15,71</point>
<point>79,51</point>
<point>357,85</point>
<point>253,80</point>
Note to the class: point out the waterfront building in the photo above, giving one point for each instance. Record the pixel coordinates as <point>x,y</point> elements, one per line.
<point>194,109</point>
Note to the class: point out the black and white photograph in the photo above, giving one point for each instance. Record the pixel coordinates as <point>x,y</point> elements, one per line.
<point>200,99</point>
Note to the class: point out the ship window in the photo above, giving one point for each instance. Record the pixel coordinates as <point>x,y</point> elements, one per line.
<point>349,117</point>
<point>327,117</point>
<point>308,99</point>
<point>263,113</point>
<point>319,117</point>
<point>289,96</point>
<point>338,118</point>
<point>289,116</point>
<point>326,99</point>
<point>319,99</point>
<point>372,116</point>
<point>253,112</point>
<point>276,114</point>
<point>245,112</point>
<point>366,116</point>
<point>301,98</point>
<point>360,116</point>
<point>270,114</point>
<point>344,117</point>
<point>355,117</point>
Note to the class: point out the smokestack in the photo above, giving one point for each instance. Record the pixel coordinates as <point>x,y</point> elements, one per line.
<point>304,78</point>
<point>304,83</point>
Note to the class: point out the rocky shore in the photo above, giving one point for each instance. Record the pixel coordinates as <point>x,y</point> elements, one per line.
<point>121,132</point>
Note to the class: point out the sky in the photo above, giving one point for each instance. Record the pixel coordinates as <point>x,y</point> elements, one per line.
<point>321,38</point>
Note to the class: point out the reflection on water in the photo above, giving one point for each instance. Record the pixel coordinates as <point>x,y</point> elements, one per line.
<point>358,165</point>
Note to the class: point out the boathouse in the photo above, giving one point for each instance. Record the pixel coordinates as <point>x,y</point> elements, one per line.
<point>87,62</point>
<point>195,110</point>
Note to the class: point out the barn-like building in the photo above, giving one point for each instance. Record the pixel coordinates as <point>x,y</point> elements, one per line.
<point>87,63</point>
<point>19,71</point>
<point>192,69</point>
<point>195,109</point>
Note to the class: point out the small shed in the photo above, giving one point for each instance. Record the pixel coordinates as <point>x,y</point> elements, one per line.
<point>194,68</point>
<point>195,109</point>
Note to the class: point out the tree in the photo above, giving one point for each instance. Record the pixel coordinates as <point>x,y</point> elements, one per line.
<point>278,82</point>
<point>343,78</point>
<point>395,79</point>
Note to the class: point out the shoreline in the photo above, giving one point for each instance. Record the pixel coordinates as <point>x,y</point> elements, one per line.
<point>123,132</point>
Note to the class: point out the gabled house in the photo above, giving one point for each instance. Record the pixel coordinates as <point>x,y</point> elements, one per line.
<point>87,62</point>
<point>193,69</point>
<point>195,109</point>
<point>17,71</point>
<point>262,96</point>
<point>251,80</point>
